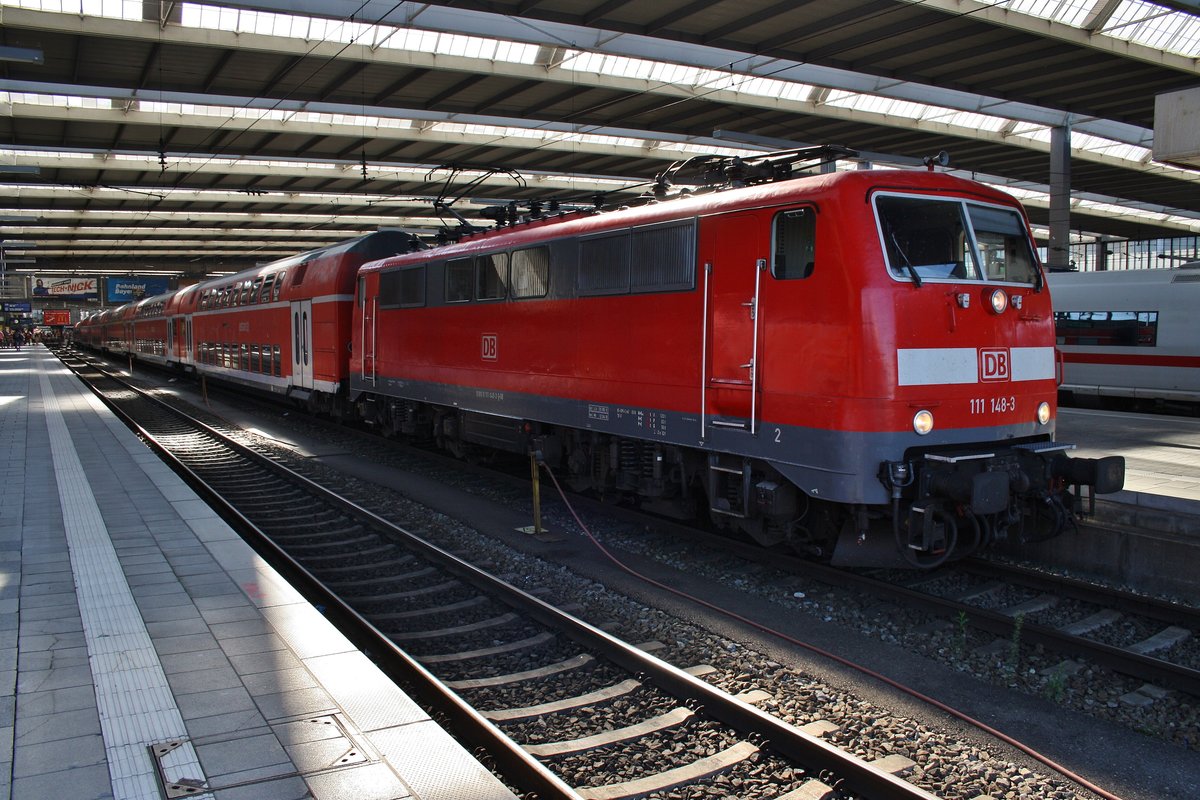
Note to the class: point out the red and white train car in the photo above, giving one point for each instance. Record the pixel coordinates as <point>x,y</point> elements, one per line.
<point>282,327</point>
<point>1129,335</point>
<point>853,358</point>
<point>146,328</point>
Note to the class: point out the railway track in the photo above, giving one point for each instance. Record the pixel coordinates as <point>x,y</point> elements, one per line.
<point>1141,637</point>
<point>499,663</point>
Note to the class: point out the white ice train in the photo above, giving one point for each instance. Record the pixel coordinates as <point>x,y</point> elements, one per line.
<point>1132,335</point>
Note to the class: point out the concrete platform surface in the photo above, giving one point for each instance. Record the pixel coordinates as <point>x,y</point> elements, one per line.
<point>147,652</point>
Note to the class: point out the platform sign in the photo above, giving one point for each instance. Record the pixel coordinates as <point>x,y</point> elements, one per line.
<point>135,287</point>
<point>56,316</point>
<point>17,308</point>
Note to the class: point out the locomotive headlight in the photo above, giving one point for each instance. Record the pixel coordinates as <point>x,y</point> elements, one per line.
<point>923,422</point>
<point>999,301</point>
<point>1043,413</point>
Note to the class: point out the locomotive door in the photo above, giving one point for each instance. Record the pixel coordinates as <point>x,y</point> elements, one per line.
<point>187,342</point>
<point>729,253</point>
<point>302,367</point>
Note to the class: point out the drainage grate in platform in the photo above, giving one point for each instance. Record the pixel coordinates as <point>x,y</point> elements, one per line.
<point>175,765</point>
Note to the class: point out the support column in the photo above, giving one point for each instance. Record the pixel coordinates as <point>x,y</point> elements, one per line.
<point>1058,252</point>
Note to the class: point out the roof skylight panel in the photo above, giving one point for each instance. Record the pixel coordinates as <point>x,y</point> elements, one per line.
<point>1108,147</point>
<point>1134,21</point>
<point>1069,12</point>
<point>121,9</point>
<point>1155,26</point>
<point>53,100</point>
<point>968,119</point>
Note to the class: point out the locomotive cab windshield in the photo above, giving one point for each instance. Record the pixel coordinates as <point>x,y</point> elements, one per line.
<point>928,238</point>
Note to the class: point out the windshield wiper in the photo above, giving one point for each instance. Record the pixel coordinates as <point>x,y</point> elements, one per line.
<point>916,279</point>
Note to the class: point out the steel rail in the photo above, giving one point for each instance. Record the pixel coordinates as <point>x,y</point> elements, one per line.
<point>514,762</point>
<point>1127,662</point>
<point>767,731</point>
<point>1151,607</point>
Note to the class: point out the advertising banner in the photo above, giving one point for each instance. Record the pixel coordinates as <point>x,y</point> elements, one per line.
<point>122,290</point>
<point>56,316</point>
<point>67,288</point>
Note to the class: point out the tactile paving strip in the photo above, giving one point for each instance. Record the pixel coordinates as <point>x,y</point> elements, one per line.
<point>136,705</point>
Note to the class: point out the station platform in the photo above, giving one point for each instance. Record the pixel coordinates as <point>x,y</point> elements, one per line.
<point>1161,498</point>
<point>1162,453</point>
<point>147,652</point>
<point>1147,536</point>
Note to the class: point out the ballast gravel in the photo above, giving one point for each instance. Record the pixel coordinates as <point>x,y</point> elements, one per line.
<point>948,767</point>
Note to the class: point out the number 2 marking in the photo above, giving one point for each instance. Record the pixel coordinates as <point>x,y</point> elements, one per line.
<point>778,436</point>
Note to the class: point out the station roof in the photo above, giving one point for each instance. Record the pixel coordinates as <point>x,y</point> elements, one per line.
<point>201,138</point>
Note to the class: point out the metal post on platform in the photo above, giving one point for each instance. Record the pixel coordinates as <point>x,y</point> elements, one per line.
<point>537,493</point>
<point>204,387</point>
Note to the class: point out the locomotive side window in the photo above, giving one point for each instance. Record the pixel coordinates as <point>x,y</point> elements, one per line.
<point>794,244</point>
<point>604,265</point>
<point>1003,245</point>
<point>530,274</point>
<point>664,255</point>
<point>491,276</point>
<point>654,258</point>
<point>403,287</point>
<point>460,275</point>
<point>278,285</point>
<point>268,285</point>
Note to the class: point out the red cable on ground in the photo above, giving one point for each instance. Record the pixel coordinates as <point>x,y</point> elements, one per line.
<point>983,726</point>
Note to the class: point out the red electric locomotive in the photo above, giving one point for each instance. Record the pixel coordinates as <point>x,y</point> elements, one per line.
<point>860,364</point>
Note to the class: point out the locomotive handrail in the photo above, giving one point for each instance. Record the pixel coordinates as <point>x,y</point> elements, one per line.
<point>362,348</point>
<point>759,266</point>
<point>704,352</point>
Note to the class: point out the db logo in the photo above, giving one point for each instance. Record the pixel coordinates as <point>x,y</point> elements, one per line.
<point>490,344</point>
<point>994,364</point>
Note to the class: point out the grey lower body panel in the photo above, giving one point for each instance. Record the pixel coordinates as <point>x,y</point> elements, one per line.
<point>839,466</point>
